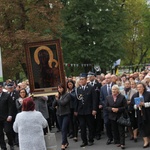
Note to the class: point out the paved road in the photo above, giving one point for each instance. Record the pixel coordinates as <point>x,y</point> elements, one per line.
<point>101,144</point>
<point>98,145</point>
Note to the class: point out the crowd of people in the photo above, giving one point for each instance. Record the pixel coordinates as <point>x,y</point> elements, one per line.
<point>23,126</point>
<point>88,103</point>
<point>98,101</point>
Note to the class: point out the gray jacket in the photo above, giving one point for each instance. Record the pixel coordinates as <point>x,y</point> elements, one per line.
<point>63,104</point>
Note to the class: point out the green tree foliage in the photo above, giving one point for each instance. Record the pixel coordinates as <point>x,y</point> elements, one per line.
<point>24,21</point>
<point>93,31</point>
<point>136,42</point>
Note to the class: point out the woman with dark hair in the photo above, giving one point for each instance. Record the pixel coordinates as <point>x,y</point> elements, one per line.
<point>62,102</point>
<point>22,95</point>
<point>29,125</point>
<point>73,125</point>
<point>142,111</point>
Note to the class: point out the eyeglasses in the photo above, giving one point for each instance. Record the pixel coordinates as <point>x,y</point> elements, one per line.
<point>22,92</point>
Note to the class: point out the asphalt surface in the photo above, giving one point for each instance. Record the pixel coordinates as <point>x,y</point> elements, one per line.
<point>101,144</point>
<point>98,144</point>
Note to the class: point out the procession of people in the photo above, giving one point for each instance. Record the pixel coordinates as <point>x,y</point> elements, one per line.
<point>87,106</point>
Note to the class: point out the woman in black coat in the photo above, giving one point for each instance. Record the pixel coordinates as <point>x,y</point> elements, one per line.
<point>143,111</point>
<point>62,103</point>
<point>116,105</point>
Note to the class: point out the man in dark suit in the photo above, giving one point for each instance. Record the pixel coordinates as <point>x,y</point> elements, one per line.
<point>85,109</point>
<point>5,119</point>
<point>98,118</point>
<point>105,91</point>
<point>13,94</point>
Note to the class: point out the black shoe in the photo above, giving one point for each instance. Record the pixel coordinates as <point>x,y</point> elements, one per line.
<point>109,141</point>
<point>83,144</point>
<point>122,146</point>
<point>11,147</point>
<point>145,146</point>
<point>3,148</point>
<point>135,139</point>
<point>90,143</point>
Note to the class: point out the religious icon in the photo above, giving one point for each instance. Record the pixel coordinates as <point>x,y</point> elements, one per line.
<point>43,56</point>
<point>45,65</point>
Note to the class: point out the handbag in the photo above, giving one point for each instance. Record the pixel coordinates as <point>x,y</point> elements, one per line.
<point>125,121</point>
<point>50,141</point>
